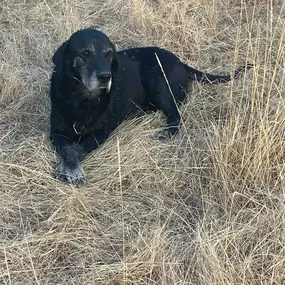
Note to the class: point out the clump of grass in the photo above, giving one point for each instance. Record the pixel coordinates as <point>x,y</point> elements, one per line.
<point>206,207</point>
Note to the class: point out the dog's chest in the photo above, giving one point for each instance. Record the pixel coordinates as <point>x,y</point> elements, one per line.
<point>84,118</point>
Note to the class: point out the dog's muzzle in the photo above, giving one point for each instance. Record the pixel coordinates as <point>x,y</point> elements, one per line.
<point>104,77</point>
<point>105,80</point>
<point>96,82</point>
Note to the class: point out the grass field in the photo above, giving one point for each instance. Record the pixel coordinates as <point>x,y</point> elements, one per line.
<point>206,207</point>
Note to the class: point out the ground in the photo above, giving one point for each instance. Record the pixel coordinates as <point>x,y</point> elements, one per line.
<point>205,207</point>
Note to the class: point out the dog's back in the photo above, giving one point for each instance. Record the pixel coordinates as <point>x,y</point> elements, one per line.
<point>159,67</point>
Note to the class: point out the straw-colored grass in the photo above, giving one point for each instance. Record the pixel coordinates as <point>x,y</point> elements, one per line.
<point>206,207</point>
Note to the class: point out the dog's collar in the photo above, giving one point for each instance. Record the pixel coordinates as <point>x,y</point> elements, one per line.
<point>75,130</point>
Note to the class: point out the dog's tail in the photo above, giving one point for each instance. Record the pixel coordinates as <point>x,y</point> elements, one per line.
<point>202,77</point>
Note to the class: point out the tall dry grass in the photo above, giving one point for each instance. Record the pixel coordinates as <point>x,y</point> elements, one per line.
<point>206,207</point>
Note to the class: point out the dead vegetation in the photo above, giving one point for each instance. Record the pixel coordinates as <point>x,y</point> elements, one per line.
<point>206,207</point>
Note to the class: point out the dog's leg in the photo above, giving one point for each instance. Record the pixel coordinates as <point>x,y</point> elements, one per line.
<point>69,169</point>
<point>90,143</point>
<point>163,100</point>
<point>173,119</point>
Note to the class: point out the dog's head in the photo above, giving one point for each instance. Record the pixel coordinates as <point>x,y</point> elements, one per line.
<point>89,57</point>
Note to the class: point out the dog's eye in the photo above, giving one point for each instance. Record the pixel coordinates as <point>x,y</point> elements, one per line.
<point>86,53</point>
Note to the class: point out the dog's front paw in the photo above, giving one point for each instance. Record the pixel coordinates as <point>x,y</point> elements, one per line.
<point>74,175</point>
<point>80,152</point>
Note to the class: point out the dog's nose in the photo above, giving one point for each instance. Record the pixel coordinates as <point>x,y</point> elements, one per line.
<point>104,77</point>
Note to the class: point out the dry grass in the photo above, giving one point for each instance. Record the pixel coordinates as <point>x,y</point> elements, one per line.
<point>206,207</point>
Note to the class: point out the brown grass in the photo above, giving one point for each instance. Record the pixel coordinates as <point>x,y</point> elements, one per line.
<point>206,207</point>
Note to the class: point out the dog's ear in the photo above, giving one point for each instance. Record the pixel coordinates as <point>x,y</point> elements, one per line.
<point>115,63</point>
<point>60,52</point>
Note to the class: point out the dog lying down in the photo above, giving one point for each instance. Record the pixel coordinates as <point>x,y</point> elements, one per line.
<point>94,88</point>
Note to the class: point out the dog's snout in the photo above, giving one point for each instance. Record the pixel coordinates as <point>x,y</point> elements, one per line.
<point>104,77</point>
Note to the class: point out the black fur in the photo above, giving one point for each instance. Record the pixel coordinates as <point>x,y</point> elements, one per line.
<point>86,107</point>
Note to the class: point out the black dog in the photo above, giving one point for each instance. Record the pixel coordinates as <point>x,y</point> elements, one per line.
<point>94,88</point>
